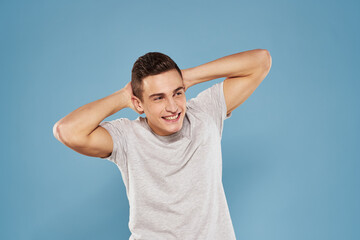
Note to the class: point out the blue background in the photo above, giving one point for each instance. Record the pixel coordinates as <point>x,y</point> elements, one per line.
<point>290,152</point>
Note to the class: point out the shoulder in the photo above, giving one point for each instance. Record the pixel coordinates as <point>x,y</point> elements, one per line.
<point>212,103</point>
<point>208,95</point>
<point>210,100</point>
<point>117,123</point>
<point>122,126</point>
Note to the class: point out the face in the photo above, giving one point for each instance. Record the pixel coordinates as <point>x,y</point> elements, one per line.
<point>164,102</point>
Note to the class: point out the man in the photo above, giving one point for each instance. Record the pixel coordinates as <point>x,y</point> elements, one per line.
<point>170,160</point>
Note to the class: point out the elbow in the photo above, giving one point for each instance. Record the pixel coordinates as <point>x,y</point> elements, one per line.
<point>266,59</point>
<point>66,136</point>
<point>264,63</point>
<point>61,134</point>
<point>56,131</point>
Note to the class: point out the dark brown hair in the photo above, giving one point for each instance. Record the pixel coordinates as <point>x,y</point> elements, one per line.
<point>152,63</point>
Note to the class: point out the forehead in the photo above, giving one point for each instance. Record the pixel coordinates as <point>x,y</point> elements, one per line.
<point>165,82</point>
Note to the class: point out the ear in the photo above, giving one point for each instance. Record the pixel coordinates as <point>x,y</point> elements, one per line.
<point>137,104</point>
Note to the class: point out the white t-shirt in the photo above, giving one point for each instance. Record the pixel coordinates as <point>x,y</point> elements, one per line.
<point>174,183</point>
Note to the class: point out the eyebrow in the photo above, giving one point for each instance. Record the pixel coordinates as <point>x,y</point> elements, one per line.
<point>162,94</point>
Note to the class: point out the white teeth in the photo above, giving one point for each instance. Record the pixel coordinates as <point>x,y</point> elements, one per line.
<point>171,118</point>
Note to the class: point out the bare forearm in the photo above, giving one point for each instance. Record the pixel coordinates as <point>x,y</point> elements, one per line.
<point>82,121</point>
<point>235,65</point>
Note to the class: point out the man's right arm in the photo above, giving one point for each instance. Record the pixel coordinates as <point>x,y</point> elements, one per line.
<point>80,129</point>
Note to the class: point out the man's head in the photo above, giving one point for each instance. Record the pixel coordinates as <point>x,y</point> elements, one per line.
<point>159,92</point>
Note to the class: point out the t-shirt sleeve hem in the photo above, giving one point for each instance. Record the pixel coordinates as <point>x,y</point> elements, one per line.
<point>225,116</point>
<point>109,126</point>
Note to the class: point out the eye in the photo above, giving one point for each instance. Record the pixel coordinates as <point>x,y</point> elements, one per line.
<point>157,98</point>
<point>179,93</point>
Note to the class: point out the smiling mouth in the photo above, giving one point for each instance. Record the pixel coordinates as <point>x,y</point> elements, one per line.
<point>172,118</point>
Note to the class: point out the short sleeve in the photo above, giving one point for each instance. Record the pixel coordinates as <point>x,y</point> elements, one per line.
<point>212,102</point>
<point>116,129</point>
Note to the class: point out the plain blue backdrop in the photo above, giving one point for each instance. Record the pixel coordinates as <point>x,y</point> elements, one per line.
<point>290,152</point>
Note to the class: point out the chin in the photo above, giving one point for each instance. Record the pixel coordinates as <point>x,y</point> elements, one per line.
<point>174,129</point>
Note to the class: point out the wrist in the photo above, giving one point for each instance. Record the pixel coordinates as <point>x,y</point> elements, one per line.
<point>188,78</point>
<point>121,99</point>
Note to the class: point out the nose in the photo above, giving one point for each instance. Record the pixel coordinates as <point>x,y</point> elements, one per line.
<point>171,106</point>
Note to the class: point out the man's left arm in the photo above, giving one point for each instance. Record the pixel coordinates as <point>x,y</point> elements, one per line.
<point>243,71</point>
